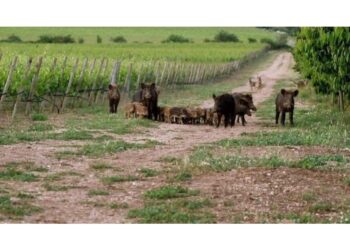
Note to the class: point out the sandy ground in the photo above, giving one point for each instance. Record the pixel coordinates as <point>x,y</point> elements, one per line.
<point>75,206</point>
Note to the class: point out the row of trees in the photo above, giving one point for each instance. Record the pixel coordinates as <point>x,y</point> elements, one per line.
<point>322,55</point>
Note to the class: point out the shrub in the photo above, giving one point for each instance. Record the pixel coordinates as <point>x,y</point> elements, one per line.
<point>251,40</point>
<point>280,43</point>
<point>118,39</point>
<point>224,36</point>
<point>12,39</point>
<point>81,40</point>
<point>55,39</point>
<point>98,39</point>
<point>207,40</point>
<point>176,39</point>
<point>39,117</point>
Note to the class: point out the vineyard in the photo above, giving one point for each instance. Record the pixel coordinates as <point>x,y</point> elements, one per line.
<point>55,76</point>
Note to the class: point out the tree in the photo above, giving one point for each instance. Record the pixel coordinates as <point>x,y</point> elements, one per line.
<point>323,56</point>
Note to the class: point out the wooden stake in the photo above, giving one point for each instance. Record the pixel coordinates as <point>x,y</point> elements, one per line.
<point>33,86</point>
<point>71,78</point>
<point>24,80</point>
<point>8,81</point>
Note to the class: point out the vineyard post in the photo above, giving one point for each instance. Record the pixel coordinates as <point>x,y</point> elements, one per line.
<point>33,86</point>
<point>157,72</point>
<point>80,80</point>
<point>128,80</point>
<point>8,80</point>
<point>168,74</point>
<point>101,87</point>
<point>163,73</point>
<point>139,76</point>
<point>24,80</point>
<point>71,78</point>
<point>91,96</point>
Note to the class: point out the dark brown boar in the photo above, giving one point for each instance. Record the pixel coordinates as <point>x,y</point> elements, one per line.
<point>114,97</point>
<point>285,103</point>
<point>244,103</point>
<point>148,95</point>
<point>225,106</point>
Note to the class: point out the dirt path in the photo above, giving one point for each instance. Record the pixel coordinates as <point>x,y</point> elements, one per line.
<point>74,205</point>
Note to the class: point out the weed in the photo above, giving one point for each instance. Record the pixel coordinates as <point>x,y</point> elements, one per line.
<point>97,192</point>
<point>147,172</point>
<point>39,117</point>
<point>169,192</point>
<point>117,178</point>
<point>100,166</point>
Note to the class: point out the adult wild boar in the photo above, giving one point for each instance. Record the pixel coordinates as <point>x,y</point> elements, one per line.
<point>114,97</point>
<point>244,103</point>
<point>285,103</point>
<point>148,96</point>
<point>225,106</point>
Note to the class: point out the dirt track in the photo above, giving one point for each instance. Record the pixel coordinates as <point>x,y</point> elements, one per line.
<point>73,205</point>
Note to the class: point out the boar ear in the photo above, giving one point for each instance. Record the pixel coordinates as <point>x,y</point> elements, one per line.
<point>296,92</point>
<point>153,85</point>
<point>214,96</point>
<point>143,85</point>
<point>283,91</point>
<point>110,86</point>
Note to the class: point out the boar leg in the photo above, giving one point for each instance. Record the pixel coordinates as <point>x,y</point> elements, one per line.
<point>219,120</point>
<point>283,118</point>
<point>227,118</point>
<point>111,108</point>
<point>291,118</point>
<point>243,120</point>
<point>277,116</point>
<point>233,119</point>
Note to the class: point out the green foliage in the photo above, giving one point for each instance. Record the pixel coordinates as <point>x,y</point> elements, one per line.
<point>322,55</point>
<point>176,39</point>
<point>16,175</point>
<point>81,40</point>
<point>252,40</point>
<point>12,39</point>
<point>118,39</point>
<point>98,39</point>
<point>100,166</point>
<point>39,117</point>
<point>55,39</point>
<point>224,36</point>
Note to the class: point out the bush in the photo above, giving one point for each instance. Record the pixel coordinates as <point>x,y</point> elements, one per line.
<point>39,117</point>
<point>224,36</point>
<point>176,39</point>
<point>12,39</point>
<point>55,39</point>
<point>207,40</point>
<point>81,40</point>
<point>280,43</point>
<point>118,39</point>
<point>251,40</point>
<point>98,39</point>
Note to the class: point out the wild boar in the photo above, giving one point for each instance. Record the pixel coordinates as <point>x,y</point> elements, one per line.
<point>114,97</point>
<point>285,103</point>
<point>225,106</point>
<point>148,95</point>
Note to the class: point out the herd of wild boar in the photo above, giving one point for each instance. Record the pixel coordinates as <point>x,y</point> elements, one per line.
<point>226,107</point>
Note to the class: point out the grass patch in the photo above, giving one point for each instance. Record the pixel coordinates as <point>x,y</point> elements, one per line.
<point>183,176</point>
<point>39,117</point>
<point>100,166</point>
<point>10,208</point>
<point>321,207</point>
<point>148,172</point>
<point>309,196</point>
<point>122,205</point>
<point>58,188</point>
<point>109,147</point>
<point>97,192</point>
<point>169,192</point>
<point>347,180</point>
<point>60,175</point>
<point>71,134</point>
<point>11,174</point>
<point>118,178</point>
<point>40,127</point>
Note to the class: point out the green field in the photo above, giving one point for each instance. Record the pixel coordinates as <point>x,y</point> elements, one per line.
<point>132,34</point>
